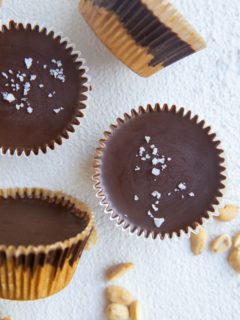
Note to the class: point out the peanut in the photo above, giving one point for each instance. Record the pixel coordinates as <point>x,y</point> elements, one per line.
<point>236,240</point>
<point>118,271</point>
<point>116,311</point>
<point>234,259</point>
<point>228,213</point>
<point>119,295</point>
<point>136,311</point>
<point>92,240</point>
<point>221,243</point>
<point>199,241</point>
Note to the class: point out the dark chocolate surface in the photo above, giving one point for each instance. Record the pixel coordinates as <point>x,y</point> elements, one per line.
<point>194,161</point>
<point>37,222</point>
<point>51,105</point>
<point>148,31</point>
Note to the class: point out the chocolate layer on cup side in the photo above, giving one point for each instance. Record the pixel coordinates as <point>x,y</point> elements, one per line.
<point>148,31</point>
<point>160,172</point>
<point>41,89</point>
<point>34,222</point>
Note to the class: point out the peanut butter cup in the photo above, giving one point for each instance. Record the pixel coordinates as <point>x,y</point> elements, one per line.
<point>159,171</point>
<point>43,89</point>
<point>146,35</point>
<point>42,236</point>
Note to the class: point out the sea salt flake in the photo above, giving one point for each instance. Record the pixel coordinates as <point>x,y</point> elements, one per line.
<point>57,110</point>
<point>191,194</point>
<point>141,151</point>
<point>169,159</point>
<point>27,87</point>
<point>169,193</point>
<point>152,146</point>
<point>8,97</point>
<point>156,172</point>
<point>137,168</point>
<point>182,186</point>
<point>155,208</point>
<point>10,71</point>
<point>41,85</point>
<point>155,151</point>
<point>147,139</point>
<point>158,222</point>
<point>182,196</point>
<point>30,109</point>
<point>156,194</point>
<point>19,106</point>
<point>33,77</point>
<point>58,74</point>
<point>143,159</point>
<point>148,156</point>
<point>28,62</point>
<point>44,66</point>
<point>156,202</point>
<point>164,166</point>
<point>4,75</point>
<point>20,76</point>
<point>136,198</point>
<point>150,214</point>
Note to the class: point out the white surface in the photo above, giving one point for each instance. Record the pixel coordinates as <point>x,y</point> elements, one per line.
<point>170,282</point>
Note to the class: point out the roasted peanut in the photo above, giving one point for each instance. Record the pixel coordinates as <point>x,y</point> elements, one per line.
<point>116,311</point>
<point>118,271</point>
<point>228,213</point>
<point>199,241</point>
<point>221,243</point>
<point>136,311</point>
<point>119,295</point>
<point>236,240</point>
<point>234,259</point>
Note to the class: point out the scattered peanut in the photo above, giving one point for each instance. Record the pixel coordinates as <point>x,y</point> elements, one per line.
<point>199,241</point>
<point>236,240</point>
<point>234,259</point>
<point>116,311</point>
<point>221,243</point>
<point>119,295</point>
<point>228,213</point>
<point>118,271</point>
<point>92,240</point>
<point>136,311</point>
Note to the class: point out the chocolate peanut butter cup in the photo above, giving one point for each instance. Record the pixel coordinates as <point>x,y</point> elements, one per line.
<point>42,236</point>
<point>146,35</point>
<point>43,89</point>
<point>159,172</point>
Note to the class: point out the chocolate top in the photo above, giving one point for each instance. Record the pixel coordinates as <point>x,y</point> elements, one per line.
<point>37,222</point>
<point>161,172</point>
<point>41,89</point>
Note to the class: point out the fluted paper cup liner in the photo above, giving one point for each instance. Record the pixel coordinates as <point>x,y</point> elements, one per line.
<point>146,35</point>
<point>120,175</point>
<point>33,272</point>
<point>76,107</point>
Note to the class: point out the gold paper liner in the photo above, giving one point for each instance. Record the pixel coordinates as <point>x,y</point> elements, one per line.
<point>118,218</point>
<point>34,272</point>
<point>84,88</point>
<point>108,27</point>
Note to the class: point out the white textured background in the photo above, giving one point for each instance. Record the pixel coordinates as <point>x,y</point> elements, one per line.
<point>170,282</point>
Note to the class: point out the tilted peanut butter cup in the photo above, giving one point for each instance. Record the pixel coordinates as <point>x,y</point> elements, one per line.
<point>146,35</point>
<point>42,236</point>
<point>43,89</point>
<point>159,172</point>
